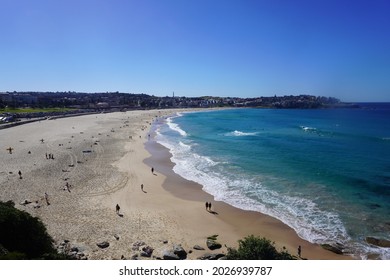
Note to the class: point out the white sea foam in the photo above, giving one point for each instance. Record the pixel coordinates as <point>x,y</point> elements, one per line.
<point>308,128</point>
<point>303,215</point>
<point>240,133</point>
<point>175,127</point>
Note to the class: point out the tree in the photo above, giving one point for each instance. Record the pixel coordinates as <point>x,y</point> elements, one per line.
<point>256,248</point>
<point>23,236</point>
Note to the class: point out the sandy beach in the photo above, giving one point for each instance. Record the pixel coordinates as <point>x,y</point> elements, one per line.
<point>102,160</point>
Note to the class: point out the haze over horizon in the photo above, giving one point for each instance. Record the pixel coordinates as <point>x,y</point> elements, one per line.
<point>195,48</point>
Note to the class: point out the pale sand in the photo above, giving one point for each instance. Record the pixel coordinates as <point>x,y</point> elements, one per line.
<point>103,157</point>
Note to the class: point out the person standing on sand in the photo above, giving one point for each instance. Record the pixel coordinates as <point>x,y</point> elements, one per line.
<point>299,251</point>
<point>20,174</point>
<point>152,170</point>
<point>117,208</point>
<point>207,206</point>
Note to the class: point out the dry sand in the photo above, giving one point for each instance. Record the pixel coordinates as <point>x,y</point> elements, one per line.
<point>104,159</point>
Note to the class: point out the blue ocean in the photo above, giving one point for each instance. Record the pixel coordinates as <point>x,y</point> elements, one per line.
<point>325,172</point>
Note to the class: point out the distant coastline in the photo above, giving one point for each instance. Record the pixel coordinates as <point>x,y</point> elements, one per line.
<point>17,108</point>
<point>114,101</point>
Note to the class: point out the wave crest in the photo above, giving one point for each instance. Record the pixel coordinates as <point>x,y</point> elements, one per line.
<point>240,133</point>
<point>308,128</point>
<point>176,127</point>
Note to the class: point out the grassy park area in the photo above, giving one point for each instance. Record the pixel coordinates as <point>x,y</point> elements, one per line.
<point>33,110</point>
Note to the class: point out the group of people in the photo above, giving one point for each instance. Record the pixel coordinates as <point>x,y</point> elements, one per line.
<point>208,206</point>
<point>49,156</point>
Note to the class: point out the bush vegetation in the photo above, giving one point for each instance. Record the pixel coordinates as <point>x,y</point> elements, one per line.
<point>23,236</point>
<point>257,248</point>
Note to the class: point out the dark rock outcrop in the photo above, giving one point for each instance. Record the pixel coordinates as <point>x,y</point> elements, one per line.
<point>213,244</point>
<point>337,248</point>
<point>209,256</point>
<point>378,242</point>
<point>180,252</point>
<point>170,255</point>
<point>147,252</point>
<point>74,251</point>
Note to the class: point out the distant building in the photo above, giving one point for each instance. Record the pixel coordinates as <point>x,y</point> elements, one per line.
<point>102,105</point>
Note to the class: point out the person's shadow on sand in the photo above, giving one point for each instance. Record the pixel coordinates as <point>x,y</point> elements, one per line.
<point>212,212</point>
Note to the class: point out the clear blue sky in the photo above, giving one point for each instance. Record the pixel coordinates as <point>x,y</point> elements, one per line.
<point>239,48</point>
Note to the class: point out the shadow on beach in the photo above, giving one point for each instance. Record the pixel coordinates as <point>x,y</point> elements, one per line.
<point>212,212</point>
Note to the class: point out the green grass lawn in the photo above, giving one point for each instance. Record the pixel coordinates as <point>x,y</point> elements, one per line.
<point>33,110</point>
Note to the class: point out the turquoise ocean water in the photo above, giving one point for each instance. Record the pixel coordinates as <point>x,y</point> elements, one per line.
<point>325,173</point>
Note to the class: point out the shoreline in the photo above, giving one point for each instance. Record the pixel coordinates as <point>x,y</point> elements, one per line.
<point>104,159</point>
<point>240,223</point>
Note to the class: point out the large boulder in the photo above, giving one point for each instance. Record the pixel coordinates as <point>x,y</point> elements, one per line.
<point>378,242</point>
<point>170,255</point>
<point>180,252</point>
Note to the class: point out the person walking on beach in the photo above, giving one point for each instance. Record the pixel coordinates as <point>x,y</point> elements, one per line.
<point>47,199</point>
<point>117,208</point>
<point>152,170</point>
<point>207,206</point>
<point>20,174</point>
<point>142,187</point>
<point>67,186</point>
<point>299,251</point>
